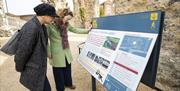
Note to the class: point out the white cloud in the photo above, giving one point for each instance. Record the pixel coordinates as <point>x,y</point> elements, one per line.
<point>20,7</point>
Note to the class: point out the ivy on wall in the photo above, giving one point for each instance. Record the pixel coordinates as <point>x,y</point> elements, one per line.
<point>101,11</point>
<point>82,14</point>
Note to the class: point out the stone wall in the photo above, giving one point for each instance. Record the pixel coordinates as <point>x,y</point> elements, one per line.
<point>84,11</point>
<point>10,25</point>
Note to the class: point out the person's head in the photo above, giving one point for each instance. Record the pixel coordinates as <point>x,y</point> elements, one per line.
<point>46,12</point>
<point>66,14</point>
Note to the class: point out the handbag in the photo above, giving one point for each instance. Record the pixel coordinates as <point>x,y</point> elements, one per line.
<point>11,46</point>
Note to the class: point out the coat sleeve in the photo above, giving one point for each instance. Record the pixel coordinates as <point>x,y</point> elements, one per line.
<point>25,48</point>
<point>77,30</point>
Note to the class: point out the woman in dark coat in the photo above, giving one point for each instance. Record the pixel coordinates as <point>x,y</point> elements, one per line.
<point>31,55</point>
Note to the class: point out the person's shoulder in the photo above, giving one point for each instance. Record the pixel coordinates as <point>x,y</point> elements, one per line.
<point>29,27</point>
<point>51,26</point>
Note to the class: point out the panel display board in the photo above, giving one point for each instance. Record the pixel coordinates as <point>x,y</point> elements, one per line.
<point>117,59</point>
<point>117,51</point>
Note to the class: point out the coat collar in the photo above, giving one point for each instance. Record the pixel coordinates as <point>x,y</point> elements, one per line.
<point>42,29</point>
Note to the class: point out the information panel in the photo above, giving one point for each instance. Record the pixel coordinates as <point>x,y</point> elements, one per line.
<point>117,59</point>
<point>117,51</point>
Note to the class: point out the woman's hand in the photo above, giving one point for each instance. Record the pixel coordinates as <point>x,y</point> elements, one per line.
<point>88,25</point>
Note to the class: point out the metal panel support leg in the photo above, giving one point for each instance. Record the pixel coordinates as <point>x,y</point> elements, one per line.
<point>93,83</point>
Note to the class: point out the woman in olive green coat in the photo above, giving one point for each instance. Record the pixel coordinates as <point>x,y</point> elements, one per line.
<point>55,48</point>
<point>59,52</point>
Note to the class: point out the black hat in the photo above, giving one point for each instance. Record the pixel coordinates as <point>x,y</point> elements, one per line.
<point>45,9</point>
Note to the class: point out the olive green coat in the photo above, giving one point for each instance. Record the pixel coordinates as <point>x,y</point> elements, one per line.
<point>55,47</point>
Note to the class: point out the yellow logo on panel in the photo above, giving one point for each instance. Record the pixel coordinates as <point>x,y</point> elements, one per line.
<point>154,16</point>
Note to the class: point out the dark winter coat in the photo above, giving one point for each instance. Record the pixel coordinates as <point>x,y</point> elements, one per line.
<point>31,55</point>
